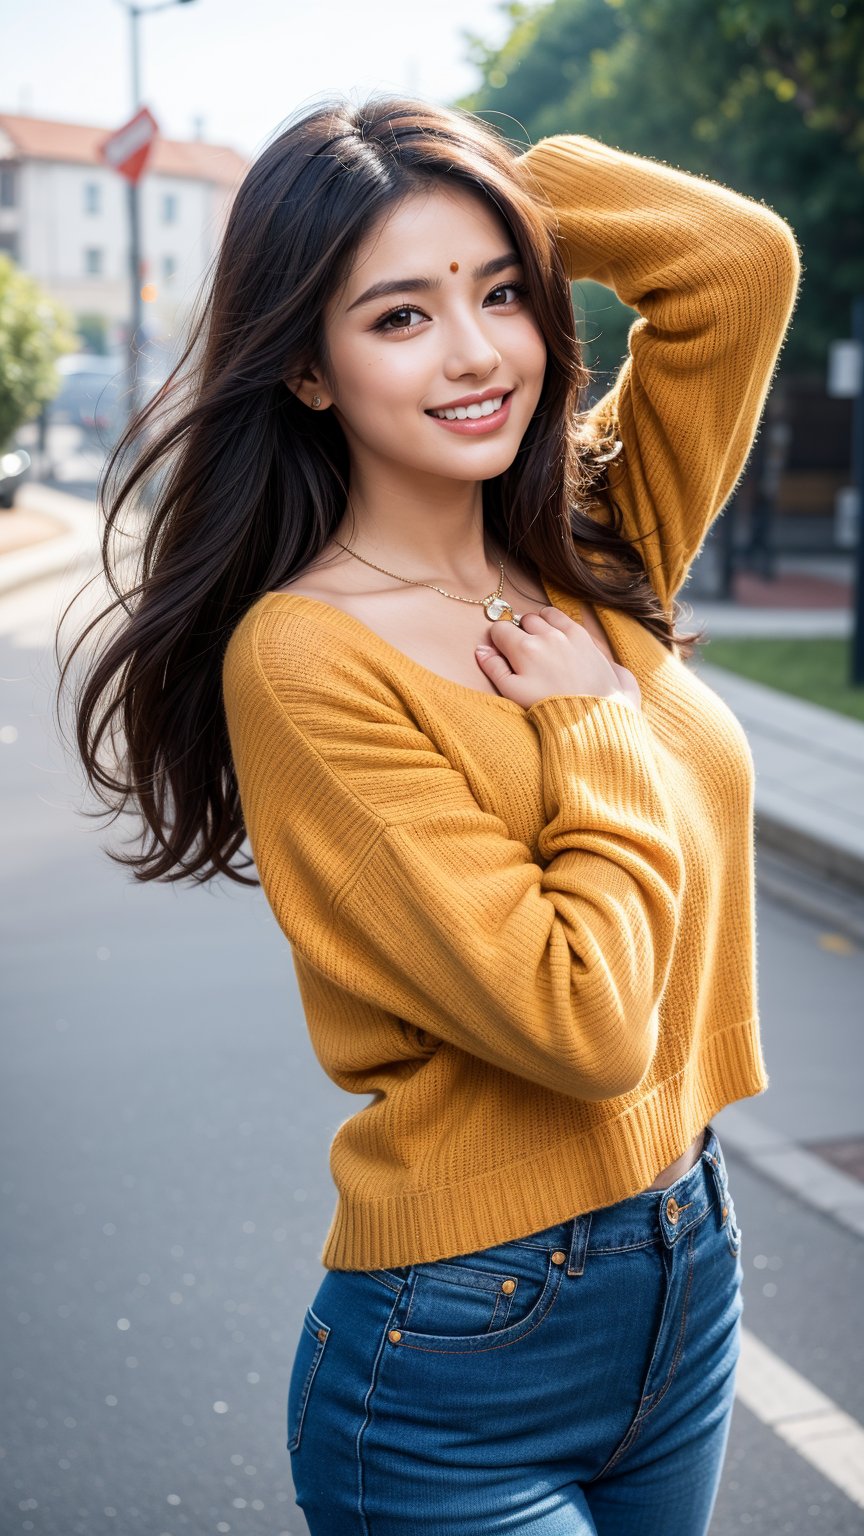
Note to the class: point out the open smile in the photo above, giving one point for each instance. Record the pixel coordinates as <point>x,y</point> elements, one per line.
<point>475,420</point>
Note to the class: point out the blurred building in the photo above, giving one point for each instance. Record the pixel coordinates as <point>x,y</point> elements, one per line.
<point>64,220</point>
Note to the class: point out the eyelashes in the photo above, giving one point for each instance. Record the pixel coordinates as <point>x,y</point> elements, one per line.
<point>383,325</point>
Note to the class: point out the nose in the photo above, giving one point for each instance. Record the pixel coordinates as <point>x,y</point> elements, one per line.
<point>470,350</point>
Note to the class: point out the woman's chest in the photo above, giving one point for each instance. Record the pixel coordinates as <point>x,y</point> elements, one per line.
<point>444,641</point>
<point>699,752</point>
<point>441,636</point>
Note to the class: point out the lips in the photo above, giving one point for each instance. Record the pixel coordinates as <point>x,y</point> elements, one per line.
<point>489,405</point>
<point>485,420</point>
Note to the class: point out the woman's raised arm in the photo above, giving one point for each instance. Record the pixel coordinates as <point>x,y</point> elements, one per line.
<point>714,276</point>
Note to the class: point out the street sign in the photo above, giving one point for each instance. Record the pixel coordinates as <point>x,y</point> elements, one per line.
<point>128,149</point>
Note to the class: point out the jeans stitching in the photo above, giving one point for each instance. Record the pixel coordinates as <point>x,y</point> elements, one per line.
<point>625,1248</point>
<point>396,1286</point>
<point>424,1349</point>
<point>629,1436</point>
<point>293,1443</point>
<point>679,1345</point>
<point>358,1449</point>
<point>636,1422</point>
<point>734,1250</point>
<point>641,1416</point>
<point>464,1275</point>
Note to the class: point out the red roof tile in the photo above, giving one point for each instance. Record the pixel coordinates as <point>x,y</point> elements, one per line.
<point>40,138</point>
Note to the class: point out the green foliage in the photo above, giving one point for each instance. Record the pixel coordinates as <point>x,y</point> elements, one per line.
<point>93,331</point>
<point>34,332</point>
<point>816,670</point>
<point>764,96</point>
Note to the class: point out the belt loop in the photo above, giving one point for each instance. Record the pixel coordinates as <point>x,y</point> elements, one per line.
<point>579,1244</point>
<point>720,1184</point>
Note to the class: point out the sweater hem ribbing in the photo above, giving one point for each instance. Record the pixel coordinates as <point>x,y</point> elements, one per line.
<point>611,1162</point>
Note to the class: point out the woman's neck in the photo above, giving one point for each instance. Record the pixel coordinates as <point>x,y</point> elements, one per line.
<point>468,559</point>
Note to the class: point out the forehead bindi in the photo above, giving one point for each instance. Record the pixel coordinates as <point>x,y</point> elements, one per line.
<point>404,250</point>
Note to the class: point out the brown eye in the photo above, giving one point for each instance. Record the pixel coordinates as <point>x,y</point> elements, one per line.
<point>404,309</point>
<point>520,289</point>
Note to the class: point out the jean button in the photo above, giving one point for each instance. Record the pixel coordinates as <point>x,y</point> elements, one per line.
<point>558,1257</point>
<point>673,1209</point>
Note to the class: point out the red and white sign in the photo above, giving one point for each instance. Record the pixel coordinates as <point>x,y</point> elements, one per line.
<point>128,149</point>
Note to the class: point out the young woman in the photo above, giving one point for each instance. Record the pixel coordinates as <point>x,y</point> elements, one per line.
<point>406,620</point>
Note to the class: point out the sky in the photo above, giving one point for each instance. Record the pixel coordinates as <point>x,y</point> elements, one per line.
<point>232,70</point>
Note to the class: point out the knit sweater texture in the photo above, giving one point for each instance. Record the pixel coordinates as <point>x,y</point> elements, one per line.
<point>528,935</point>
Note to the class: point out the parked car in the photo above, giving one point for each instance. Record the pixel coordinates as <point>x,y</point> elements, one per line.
<point>96,390</point>
<point>14,464</point>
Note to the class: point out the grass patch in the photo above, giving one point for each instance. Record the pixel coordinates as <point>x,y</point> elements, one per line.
<point>816,670</point>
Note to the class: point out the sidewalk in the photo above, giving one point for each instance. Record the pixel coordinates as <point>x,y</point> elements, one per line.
<point>809,775</point>
<point>44,534</point>
<point>809,761</point>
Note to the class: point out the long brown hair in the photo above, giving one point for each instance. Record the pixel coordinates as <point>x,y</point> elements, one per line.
<point>238,486</point>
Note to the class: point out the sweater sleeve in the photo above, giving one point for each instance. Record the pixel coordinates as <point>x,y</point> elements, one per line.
<point>714,276</point>
<point>393,882</point>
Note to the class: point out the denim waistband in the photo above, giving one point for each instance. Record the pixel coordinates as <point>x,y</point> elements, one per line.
<point>641,1219</point>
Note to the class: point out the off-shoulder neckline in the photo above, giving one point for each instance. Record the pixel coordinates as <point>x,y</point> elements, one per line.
<point>342,618</point>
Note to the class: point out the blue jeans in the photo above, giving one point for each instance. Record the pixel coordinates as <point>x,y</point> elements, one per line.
<point>576,1381</point>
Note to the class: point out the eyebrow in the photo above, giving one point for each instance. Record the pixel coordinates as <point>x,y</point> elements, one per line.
<point>424,284</point>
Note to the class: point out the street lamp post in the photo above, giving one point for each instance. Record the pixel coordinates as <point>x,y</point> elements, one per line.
<point>136,316</point>
<point>857,668</point>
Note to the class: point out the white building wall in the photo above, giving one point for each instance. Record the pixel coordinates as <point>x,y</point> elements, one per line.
<point>55,231</point>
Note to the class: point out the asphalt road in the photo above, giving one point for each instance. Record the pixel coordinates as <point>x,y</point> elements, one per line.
<point>165,1187</point>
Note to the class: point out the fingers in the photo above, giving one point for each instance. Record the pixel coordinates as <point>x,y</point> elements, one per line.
<point>534,622</point>
<point>629,685</point>
<point>557,619</point>
<point>507,637</point>
<point>495,666</point>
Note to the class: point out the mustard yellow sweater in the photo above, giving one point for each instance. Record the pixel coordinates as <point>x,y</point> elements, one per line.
<point>529,935</point>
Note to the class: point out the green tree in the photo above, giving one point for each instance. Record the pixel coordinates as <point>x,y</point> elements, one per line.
<point>34,332</point>
<point>93,331</point>
<point>762,95</point>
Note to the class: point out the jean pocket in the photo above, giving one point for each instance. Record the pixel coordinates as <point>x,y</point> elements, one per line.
<point>307,1358</point>
<point>477,1301</point>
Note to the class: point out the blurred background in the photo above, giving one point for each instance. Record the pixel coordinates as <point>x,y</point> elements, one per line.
<point>164,1124</point>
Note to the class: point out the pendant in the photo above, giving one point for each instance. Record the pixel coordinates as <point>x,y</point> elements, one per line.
<point>497,608</point>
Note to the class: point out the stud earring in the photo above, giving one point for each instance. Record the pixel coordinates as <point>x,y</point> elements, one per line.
<point>316,401</point>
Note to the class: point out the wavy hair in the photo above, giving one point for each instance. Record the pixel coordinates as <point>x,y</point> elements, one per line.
<point>233,486</point>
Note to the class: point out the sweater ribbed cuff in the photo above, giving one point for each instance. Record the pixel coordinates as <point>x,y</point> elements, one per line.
<point>599,773</point>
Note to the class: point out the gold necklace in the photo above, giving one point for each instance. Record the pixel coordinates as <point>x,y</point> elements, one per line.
<point>494,606</point>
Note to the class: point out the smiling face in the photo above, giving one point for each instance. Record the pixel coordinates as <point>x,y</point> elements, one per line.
<point>428,335</point>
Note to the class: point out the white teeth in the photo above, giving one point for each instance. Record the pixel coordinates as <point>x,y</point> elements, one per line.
<point>471,412</point>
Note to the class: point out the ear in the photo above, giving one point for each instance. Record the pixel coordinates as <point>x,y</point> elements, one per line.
<point>308,387</point>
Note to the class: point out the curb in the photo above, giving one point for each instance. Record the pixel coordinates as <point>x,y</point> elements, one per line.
<point>842,909</point>
<point>821,855</point>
